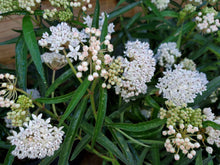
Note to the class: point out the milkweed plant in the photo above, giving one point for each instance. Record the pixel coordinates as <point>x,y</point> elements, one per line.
<point>130,89</point>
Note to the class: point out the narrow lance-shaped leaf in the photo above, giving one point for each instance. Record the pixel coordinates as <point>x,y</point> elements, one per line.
<point>59,81</point>
<point>211,124</point>
<point>82,144</point>
<point>71,132</point>
<point>21,63</point>
<point>101,113</point>
<point>9,159</point>
<point>123,10</point>
<point>95,21</point>
<point>211,87</point>
<point>32,45</point>
<point>104,141</point>
<point>155,154</point>
<point>56,100</point>
<point>104,30</point>
<point>199,158</point>
<point>143,126</point>
<point>76,97</point>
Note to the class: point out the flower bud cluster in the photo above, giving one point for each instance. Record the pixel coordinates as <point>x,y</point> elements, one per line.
<point>161,4</point>
<point>54,61</point>
<point>167,53</point>
<point>93,57</point>
<point>138,70</point>
<point>206,21</point>
<point>213,134</point>
<point>196,2</point>
<point>113,75</point>
<point>181,86</point>
<point>7,6</point>
<point>20,111</point>
<point>177,115</point>
<point>38,140</point>
<point>181,139</point>
<point>88,21</point>
<point>214,96</point>
<point>188,64</point>
<point>61,37</point>
<point>8,91</point>
<point>83,4</point>
<point>29,5</point>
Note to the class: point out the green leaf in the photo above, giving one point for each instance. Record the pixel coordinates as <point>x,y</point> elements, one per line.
<point>31,42</point>
<point>211,124</point>
<point>123,10</point>
<point>183,29</point>
<point>143,126</point>
<point>71,132</point>
<point>11,41</point>
<point>104,29</point>
<point>9,157</point>
<point>76,97</point>
<point>56,100</point>
<point>122,143</point>
<point>211,87</point>
<point>153,8</point>
<point>208,161</point>
<point>4,145</point>
<point>119,3</point>
<point>151,102</point>
<point>214,49</point>
<point>133,20</point>
<point>100,114</point>
<point>104,141</point>
<point>151,141</point>
<point>142,156</point>
<point>95,21</point>
<point>49,160</point>
<point>155,154</point>
<point>21,63</point>
<point>66,75</point>
<point>169,13</point>
<point>82,144</point>
<point>199,158</point>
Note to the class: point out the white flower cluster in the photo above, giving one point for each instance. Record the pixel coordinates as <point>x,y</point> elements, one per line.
<point>188,64</point>
<point>93,55</point>
<point>8,91</point>
<point>83,4</point>
<point>182,140</point>
<point>182,86</point>
<point>213,134</point>
<point>34,93</point>
<point>29,5</point>
<point>53,60</point>
<point>167,54</point>
<point>61,37</point>
<point>88,21</point>
<point>139,70</point>
<point>38,140</point>
<point>196,2</point>
<point>161,4</point>
<point>207,23</point>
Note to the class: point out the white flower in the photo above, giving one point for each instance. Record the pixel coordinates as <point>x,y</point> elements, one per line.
<point>138,71</point>
<point>209,150</point>
<point>167,54</point>
<point>38,140</point>
<point>161,4</point>
<point>54,60</point>
<point>182,86</point>
<point>74,52</point>
<point>34,93</point>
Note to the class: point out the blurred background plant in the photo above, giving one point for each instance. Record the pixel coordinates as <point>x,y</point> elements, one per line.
<point>106,80</point>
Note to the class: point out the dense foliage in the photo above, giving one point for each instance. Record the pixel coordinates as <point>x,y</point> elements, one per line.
<point>141,89</point>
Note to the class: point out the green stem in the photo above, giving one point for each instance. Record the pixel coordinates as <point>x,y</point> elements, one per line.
<point>130,138</point>
<point>71,66</point>
<point>52,95</point>
<point>92,98</point>
<point>99,154</point>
